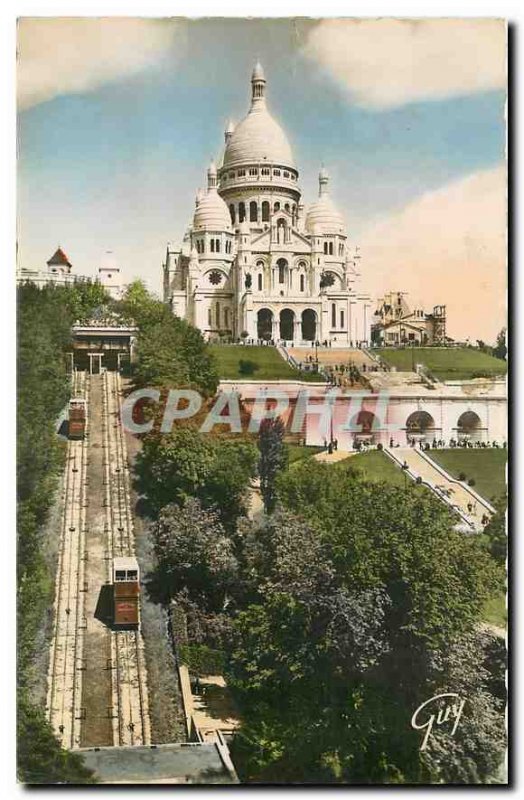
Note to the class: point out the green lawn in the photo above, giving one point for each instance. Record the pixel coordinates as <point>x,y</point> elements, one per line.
<point>295,452</point>
<point>487,467</point>
<point>453,363</point>
<point>376,466</point>
<point>260,364</point>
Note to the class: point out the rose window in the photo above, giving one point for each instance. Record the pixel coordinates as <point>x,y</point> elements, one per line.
<point>215,277</point>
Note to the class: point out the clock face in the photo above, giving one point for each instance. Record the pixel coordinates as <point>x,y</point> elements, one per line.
<point>215,277</point>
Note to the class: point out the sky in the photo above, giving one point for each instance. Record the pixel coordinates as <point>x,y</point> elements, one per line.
<point>119,119</point>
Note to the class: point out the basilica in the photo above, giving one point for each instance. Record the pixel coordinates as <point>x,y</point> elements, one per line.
<point>254,262</point>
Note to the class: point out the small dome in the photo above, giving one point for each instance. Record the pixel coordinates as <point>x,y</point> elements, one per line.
<point>323,216</point>
<point>212,213</point>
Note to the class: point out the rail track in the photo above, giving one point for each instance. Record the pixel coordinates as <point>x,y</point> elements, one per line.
<point>64,697</point>
<point>131,723</point>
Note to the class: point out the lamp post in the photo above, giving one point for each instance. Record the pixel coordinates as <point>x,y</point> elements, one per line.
<point>405,468</point>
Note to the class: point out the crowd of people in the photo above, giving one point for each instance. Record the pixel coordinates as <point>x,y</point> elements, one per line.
<point>453,443</point>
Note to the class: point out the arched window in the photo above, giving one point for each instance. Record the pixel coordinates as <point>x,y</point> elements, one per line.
<point>341,317</point>
<point>302,283</point>
<point>331,248</point>
<point>276,207</point>
<point>212,245</point>
<point>209,317</point>
<point>325,248</point>
<point>281,231</point>
<point>217,318</point>
<point>241,212</point>
<point>217,245</point>
<point>259,281</point>
<point>265,211</point>
<point>226,317</point>
<point>333,315</point>
<point>281,270</point>
<point>232,213</point>
<point>253,212</point>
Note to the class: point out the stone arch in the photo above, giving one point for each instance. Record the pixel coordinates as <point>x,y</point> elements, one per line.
<point>282,266</point>
<point>419,424</point>
<point>363,424</point>
<point>287,324</point>
<point>469,426</point>
<point>281,230</point>
<point>265,324</point>
<point>334,280</point>
<point>309,325</point>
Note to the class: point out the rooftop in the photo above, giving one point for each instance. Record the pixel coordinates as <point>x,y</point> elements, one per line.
<point>186,763</point>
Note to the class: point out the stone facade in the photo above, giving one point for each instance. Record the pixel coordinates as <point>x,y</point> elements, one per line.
<point>253,263</point>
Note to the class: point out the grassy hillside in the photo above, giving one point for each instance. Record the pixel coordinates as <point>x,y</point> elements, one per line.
<point>486,467</point>
<point>453,363</point>
<point>255,363</point>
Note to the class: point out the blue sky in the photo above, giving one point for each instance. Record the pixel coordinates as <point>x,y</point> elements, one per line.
<point>115,163</point>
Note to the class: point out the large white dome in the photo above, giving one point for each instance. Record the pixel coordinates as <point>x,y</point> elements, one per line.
<point>323,216</point>
<point>258,137</point>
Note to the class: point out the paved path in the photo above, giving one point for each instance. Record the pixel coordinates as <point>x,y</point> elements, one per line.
<point>332,458</point>
<point>458,494</point>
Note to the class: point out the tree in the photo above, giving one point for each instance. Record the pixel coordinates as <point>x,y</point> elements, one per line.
<point>497,536</point>
<point>500,349</point>
<point>359,595</point>
<point>170,353</point>
<point>273,458</point>
<point>185,463</point>
<point>45,316</point>
<point>41,759</point>
<point>194,552</point>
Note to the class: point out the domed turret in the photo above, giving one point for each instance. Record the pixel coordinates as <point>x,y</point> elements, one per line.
<point>211,211</point>
<point>258,137</point>
<point>323,216</point>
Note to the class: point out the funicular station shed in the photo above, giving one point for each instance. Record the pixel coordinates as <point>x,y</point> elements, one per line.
<point>103,343</point>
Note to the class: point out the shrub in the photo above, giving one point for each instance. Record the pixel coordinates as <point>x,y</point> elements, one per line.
<point>380,446</point>
<point>202,660</point>
<point>471,482</point>
<point>462,476</point>
<point>418,480</point>
<point>247,367</point>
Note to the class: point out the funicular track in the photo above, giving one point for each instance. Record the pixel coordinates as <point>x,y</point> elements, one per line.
<point>131,723</point>
<point>64,697</point>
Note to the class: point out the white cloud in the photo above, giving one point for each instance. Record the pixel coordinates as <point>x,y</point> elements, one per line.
<point>449,247</point>
<point>390,62</point>
<point>69,55</point>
